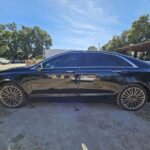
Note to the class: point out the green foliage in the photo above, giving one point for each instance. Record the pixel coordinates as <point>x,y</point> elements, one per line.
<point>28,42</point>
<point>113,44</point>
<point>92,48</point>
<point>139,32</point>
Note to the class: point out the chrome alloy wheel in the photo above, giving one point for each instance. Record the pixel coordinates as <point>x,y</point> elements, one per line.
<point>133,98</point>
<point>11,96</point>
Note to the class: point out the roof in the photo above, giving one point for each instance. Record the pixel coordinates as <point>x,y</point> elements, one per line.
<point>86,51</point>
<point>136,47</point>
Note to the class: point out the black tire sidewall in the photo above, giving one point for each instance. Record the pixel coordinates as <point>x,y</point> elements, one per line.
<point>130,86</point>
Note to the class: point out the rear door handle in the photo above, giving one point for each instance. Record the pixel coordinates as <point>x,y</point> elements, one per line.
<point>116,71</point>
<point>77,75</point>
<point>70,72</point>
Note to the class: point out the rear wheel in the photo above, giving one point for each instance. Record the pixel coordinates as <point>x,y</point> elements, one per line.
<point>132,98</point>
<point>11,95</point>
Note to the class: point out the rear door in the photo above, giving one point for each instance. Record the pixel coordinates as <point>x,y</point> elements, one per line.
<point>100,73</point>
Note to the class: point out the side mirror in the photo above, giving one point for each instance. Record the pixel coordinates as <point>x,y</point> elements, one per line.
<point>52,66</point>
<point>39,68</point>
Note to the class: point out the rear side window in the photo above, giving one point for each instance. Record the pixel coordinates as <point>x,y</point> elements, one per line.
<point>137,62</point>
<point>106,60</point>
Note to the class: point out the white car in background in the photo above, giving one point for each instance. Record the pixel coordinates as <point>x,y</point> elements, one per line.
<point>4,61</point>
<point>148,62</point>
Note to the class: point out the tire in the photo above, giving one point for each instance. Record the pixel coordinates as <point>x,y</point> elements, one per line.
<point>11,95</point>
<point>132,98</point>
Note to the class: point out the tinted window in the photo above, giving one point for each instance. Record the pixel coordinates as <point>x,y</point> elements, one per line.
<point>100,59</point>
<point>139,63</point>
<point>66,60</point>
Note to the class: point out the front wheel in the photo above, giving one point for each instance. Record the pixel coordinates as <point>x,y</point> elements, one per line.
<point>11,95</point>
<point>132,98</point>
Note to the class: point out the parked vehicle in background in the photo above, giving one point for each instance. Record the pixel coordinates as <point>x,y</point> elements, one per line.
<point>4,61</point>
<point>79,73</point>
<point>148,62</point>
<point>17,61</point>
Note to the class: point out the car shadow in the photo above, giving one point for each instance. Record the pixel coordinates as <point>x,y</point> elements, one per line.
<point>89,99</point>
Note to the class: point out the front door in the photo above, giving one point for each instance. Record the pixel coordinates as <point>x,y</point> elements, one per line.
<point>53,82</point>
<point>58,77</point>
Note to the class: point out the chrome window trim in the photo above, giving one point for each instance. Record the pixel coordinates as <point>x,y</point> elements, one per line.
<point>89,67</point>
<point>117,55</point>
<point>128,61</point>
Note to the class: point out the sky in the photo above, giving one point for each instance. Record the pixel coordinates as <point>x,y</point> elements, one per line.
<point>75,24</point>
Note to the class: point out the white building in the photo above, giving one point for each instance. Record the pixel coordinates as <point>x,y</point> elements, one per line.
<point>53,52</point>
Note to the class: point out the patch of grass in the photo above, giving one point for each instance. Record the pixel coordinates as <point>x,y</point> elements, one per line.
<point>15,147</point>
<point>17,138</point>
<point>35,144</point>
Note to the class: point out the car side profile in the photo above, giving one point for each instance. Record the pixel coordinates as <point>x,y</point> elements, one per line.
<point>79,73</point>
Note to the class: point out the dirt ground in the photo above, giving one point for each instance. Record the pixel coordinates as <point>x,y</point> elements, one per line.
<point>91,123</point>
<point>3,67</point>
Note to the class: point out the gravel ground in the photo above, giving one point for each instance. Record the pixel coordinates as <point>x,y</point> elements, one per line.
<point>73,124</point>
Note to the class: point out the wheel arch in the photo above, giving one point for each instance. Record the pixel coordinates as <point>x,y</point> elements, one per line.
<point>146,88</point>
<point>137,83</point>
<point>13,82</point>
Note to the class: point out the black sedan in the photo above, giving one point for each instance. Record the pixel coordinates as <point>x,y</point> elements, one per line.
<point>79,73</point>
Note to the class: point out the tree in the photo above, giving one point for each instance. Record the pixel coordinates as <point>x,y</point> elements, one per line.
<point>33,41</point>
<point>12,41</point>
<point>139,32</point>
<point>41,42</point>
<point>92,48</point>
<point>4,36</point>
<point>124,38</point>
<point>25,43</point>
<point>113,44</point>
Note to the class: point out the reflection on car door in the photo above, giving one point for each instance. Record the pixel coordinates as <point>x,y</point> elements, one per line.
<point>98,82</point>
<point>58,76</point>
<point>53,82</point>
<point>98,74</point>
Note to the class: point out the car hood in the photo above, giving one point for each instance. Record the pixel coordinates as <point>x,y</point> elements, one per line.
<point>17,69</point>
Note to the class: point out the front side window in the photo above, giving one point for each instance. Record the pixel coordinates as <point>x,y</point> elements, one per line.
<point>66,60</point>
